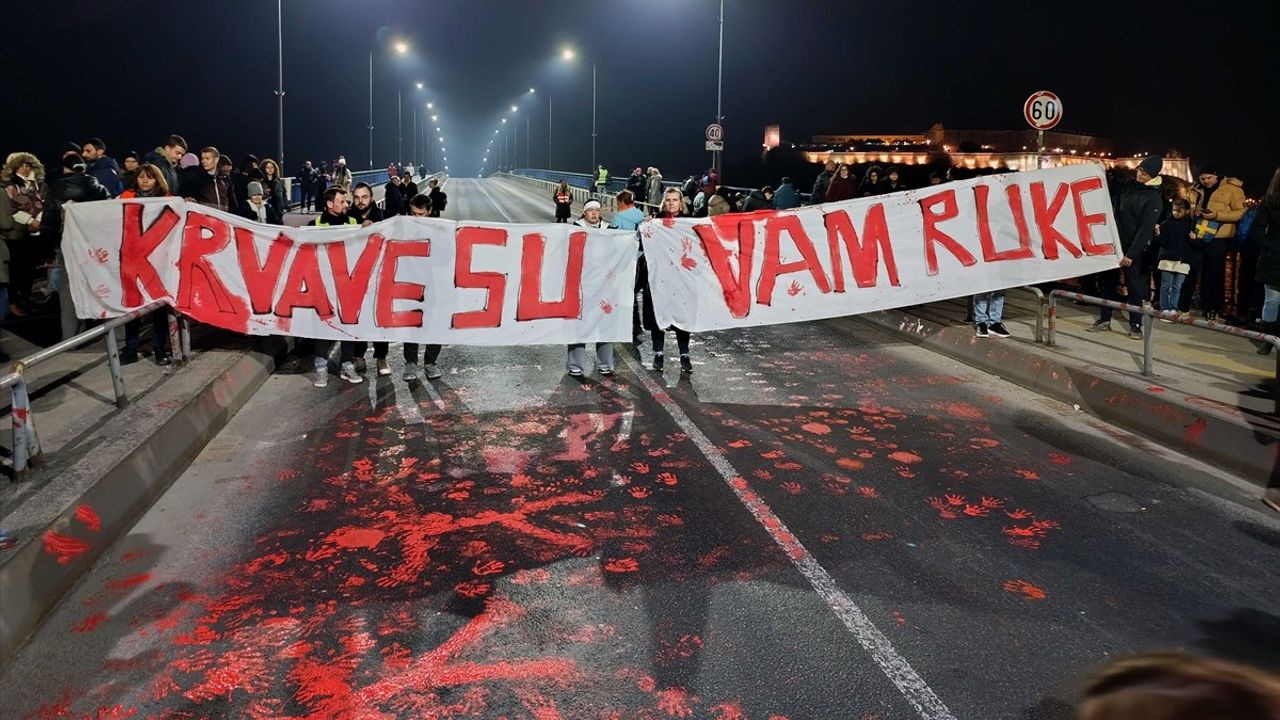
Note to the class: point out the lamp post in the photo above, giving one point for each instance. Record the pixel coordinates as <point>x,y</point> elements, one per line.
<point>280,87</point>
<point>401,47</point>
<point>715,154</point>
<point>568,54</point>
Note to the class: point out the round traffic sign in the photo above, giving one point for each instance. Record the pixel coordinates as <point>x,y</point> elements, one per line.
<point>715,132</point>
<point>1043,110</point>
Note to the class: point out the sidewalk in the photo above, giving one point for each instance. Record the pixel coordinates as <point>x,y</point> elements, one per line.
<point>1204,398</point>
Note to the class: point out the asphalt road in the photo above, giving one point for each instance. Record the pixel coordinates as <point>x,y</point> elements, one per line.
<point>821,522</point>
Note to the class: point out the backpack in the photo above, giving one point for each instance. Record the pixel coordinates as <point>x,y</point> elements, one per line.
<point>1245,225</point>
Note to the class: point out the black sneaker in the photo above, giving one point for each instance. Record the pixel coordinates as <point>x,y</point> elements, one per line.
<point>657,362</point>
<point>164,359</point>
<point>981,330</point>
<point>686,365</point>
<point>128,358</point>
<point>998,329</point>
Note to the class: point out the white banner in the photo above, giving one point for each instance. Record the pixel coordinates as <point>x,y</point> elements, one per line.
<point>423,280</point>
<point>961,238</point>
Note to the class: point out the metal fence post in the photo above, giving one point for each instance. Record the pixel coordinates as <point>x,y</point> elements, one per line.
<point>117,373</point>
<point>184,332</point>
<point>26,443</point>
<point>1051,337</point>
<point>1148,336</point>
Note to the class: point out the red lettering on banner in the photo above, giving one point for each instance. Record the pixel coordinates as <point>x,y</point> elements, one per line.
<point>737,291</point>
<point>136,245</point>
<point>494,283</point>
<point>351,287</point>
<point>864,254</point>
<point>384,312</point>
<point>304,286</point>
<point>772,266</point>
<point>989,252</point>
<point>933,236</point>
<point>199,284</point>
<point>1050,238</point>
<point>261,279</point>
<point>531,305</point>
<point>1085,222</point>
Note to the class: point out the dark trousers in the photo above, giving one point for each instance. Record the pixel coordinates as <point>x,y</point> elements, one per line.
<point>430,354</point>
<point>346,351</point>
<point>306,198</point>
<point>380,349</point>
<point>23,258</point>
<point>1189,285</point>
<point>659,335</point>
<point>1134,281</point>
<point>1213,276</point>
<point>159,333</point>
<point>641,285</point>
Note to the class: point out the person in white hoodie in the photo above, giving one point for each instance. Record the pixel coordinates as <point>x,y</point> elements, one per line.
<point>591,218</point>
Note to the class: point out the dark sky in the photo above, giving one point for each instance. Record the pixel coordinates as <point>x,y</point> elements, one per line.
<point>1201,76</point>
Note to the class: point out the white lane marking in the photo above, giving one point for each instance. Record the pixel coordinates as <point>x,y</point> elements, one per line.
<point>480,184</point>
<point>896,667</point>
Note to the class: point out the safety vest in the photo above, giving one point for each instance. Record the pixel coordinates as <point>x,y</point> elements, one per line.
<point>350,221</point>
<point>602,177</point>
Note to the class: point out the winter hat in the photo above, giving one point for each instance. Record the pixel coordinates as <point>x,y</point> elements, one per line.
<point>1208,169</point>
<point>189,160</point>
<point>70,147</point>
<point>1151,165</point>
<point>591,205</point>
<point>255,188</point>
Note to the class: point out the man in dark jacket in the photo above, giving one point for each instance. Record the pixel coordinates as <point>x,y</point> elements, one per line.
<point>408,188</point>
<point>307,182</point>
<point>394,201</point>
<point>74,186</point>
<point>166,158</point>
<point>438,197</point>
<point>208,184</point>
<point>129,173</point>
<point>636,183</point>
<point>1137,213</point>
<point>821,183</point>
<point>786,197</point>
<point>101,166</point>
<point>363,208</point>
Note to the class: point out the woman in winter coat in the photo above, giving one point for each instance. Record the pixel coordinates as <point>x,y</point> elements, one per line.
<point>1266,234</point>
<point>653,188</point>
<point>577,359</point>
<point>563,199</point>
<point>842,185</point>
<point>273,186</point>
<point>673,206</point>
<point>871,182</point>
<point>149,183</point>
<point>22,181</point>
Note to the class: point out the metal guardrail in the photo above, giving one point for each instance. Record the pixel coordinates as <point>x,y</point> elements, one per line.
<point>1149,315</point>
<point>374,177</point>
<point>26,442</point>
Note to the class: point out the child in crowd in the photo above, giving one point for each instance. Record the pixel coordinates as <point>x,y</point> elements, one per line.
<point>1175,251</point>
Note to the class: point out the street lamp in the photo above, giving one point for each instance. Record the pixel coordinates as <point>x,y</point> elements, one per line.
<point>401,47</point>
<point>280,88</point>
<point>569,54</point>
<point>400,119</point>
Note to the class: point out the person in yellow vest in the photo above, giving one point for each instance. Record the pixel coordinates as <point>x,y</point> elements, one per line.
<point>1223,203</point>
<point>602,179</point>
<point>335,213</point>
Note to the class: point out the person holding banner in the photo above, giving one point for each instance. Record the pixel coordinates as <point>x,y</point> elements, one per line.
<point>1137,213</point>
<point>672,207</point>
<point>335,213</point>
<point>420,206</point>
<point>591,218</point>
<point>150,181</point>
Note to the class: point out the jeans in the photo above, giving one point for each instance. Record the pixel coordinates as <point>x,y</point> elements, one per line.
<point>1170,289</point>
<point>1133,279</point>
<point>1271,303</point>
<point>431,354</point>
<point>578,355</point>
<point>988,309</point>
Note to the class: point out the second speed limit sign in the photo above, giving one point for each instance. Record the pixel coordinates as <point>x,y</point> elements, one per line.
<point>1043,110</point>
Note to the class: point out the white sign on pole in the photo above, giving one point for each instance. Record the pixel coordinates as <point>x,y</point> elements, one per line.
<point>715,145</point>
<point>1043,110</point>
<point>715,132</point>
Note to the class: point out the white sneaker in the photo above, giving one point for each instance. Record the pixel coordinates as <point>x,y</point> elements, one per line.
<point>410,372</point>
<point>383,368</point>
<point>350,375</point>
<point>432,372</point>
<point>322,377</point>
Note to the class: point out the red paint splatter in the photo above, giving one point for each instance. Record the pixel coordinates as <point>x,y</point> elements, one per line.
<point>1025,588</point>
<point>129,582</point>
<point>963,410</point>
<point>1059,458</point>
<point>1028,474</point>
<point>675,702</point>
<point>867,491</point>
<point>795,288</point>
<point>816,428</point>
<point>89,517</point>
<point>739,443</point>
<point>90,623</point>
<point>876,536</point>
<point>606,307</point>
<point>64,547</point>
<point>357,537</point>
<point>850,464</point>
<point>1196,429</point>
<point>899,618</point>
<point>622,565</point>
<point>904,457</point>
<point>667,478</point>
<point>983,443</point>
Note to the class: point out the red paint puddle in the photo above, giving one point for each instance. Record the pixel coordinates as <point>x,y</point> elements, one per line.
<point>850,464</point>
<point>816,428</point>
<point>89,518</point>
<point>1196,429</point>
<point>963,410</point>
<point>357,537</point>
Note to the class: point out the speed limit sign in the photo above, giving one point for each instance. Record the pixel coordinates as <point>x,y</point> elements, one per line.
<point>715,132</point>
<point>1043,110</point>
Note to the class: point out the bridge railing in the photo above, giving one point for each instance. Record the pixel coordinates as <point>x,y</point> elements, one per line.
<point>293,190</point>
<point>26,442</point>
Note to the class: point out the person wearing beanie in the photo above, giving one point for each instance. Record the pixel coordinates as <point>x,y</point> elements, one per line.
<point>256,207</point>
<point>74,186</point>
<point>577,352</point>
<point>1137,212</point>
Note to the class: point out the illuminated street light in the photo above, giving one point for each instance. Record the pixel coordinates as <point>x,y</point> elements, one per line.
<point>567,54</point>
<point>430,105</point>
<point>515,109</point>
<point>419,85</point>
<point>402,47</point>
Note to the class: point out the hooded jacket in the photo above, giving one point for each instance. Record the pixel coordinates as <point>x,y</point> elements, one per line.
<point>756,201</point>
<point>820,185</point>
<point>107,172</point>
<point>636,184</point>
<point>785,197</point>
<point>653,189</point>
<point>1227,200</point>
<point>1136,218</point>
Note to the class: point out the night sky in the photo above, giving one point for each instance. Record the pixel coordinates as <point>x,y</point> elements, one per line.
<point>1201,77</point>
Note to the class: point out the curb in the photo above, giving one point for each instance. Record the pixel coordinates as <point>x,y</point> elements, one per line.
<point>1201,428</point>
<point>37,575</point>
